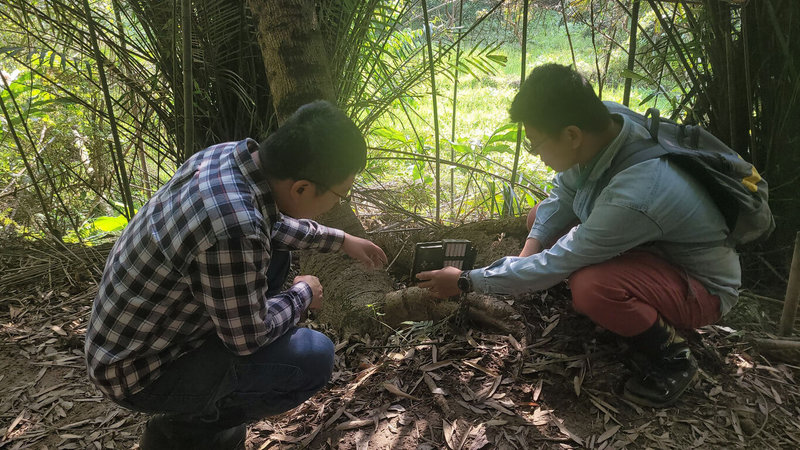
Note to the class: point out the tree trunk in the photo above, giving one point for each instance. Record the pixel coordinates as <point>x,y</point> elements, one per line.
<point>297,72</point>
<point>378,301</point>
<point>294,54</point>
<point>356,299</point>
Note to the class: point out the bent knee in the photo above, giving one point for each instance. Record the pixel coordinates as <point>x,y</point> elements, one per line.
<point>585,285</point>
<point>318,354</point>
<point>532,216</point>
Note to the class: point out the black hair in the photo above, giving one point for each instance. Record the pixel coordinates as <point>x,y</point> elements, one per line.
<point>554,97</point>
<point>318,143</point>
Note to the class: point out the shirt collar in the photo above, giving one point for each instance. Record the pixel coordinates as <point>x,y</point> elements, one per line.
<point>255,178</point>
<point>602,160</point>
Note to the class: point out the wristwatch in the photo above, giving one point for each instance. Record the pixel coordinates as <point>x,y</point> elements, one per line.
<point>465,282</point>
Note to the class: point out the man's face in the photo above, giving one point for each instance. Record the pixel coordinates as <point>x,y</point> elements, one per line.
<point>557,152</point>
<point>308,200</point>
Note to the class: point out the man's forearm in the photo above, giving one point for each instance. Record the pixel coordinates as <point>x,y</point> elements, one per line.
<point>532,247</point>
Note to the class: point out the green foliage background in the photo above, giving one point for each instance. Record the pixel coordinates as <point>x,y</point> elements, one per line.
<point>61,173</point>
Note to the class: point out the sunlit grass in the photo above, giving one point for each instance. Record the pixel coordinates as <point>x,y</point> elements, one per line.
<point>482,108</point>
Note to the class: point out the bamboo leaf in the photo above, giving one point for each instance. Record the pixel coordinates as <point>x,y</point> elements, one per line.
<point>110,224</point>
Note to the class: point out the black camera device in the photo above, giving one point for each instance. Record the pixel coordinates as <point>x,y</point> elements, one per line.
<point>435,255</point>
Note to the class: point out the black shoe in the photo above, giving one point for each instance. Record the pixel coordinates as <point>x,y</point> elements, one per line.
<point>659,382</point>
<point>162,433</point>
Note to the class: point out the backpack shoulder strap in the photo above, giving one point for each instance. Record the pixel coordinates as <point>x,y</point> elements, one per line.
<point>650,120</point>
<point>630,155</point>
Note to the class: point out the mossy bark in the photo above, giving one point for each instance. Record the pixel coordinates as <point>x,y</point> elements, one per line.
<point>376,301</point>
<point>294,54</point>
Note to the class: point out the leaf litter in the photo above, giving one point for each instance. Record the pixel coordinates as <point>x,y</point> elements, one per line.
<point>443,387</point>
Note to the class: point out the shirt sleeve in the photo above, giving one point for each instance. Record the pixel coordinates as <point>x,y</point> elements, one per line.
<point>554,213</point>
<point>299,234</point>
<point>609,231</point>
<point>231,281</point>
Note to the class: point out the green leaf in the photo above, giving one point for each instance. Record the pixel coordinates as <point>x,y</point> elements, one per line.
<point>506,133</point>
<point>463,149</point>
<point>502,148</point>
<point>648,98</point>
<point>625,73</point>
<point>499,59</point>
<point>110,223</point>
<point>391,134</point>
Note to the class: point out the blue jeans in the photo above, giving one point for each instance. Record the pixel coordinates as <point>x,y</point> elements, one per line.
<point>212,389</point>
<point>218,390</point>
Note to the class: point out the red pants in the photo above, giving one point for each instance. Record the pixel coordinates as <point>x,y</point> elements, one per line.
<point>626,294</point>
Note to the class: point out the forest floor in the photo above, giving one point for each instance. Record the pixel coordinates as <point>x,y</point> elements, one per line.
<point>427,386</point>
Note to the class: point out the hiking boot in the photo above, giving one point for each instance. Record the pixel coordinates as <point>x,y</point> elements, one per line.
<point>163,433</point>
<point>659,382</point>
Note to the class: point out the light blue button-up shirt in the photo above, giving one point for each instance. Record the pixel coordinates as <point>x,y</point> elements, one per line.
<point>654,202</point>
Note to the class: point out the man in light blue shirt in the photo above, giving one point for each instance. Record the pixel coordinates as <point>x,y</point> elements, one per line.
<point>643,250</point>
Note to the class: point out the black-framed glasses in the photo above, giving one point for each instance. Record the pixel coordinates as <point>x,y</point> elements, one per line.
<point>342,198</point>
<point>533,148</point>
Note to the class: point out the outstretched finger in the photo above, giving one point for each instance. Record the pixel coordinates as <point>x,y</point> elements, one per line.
<point>382,256</point>
<point>425,276</point>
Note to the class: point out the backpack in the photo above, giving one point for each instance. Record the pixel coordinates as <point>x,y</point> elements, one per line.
<point>733,183</point>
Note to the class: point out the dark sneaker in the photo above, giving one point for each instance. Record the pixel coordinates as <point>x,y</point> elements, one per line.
<point>161,433</point>
<point>659,383</point>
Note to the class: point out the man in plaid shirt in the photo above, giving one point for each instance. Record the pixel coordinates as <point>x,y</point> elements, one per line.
<point>190,322</point>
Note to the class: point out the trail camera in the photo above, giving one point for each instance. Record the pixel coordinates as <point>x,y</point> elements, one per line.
<point>435,255</point>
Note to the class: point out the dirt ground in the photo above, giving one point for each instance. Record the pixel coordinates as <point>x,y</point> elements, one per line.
<point>426,386</point>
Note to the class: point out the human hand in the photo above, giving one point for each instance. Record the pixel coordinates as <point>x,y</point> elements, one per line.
<point>532,247</point>
<point>365,251</point>
<point>316,290</point>
<point>442,283</point>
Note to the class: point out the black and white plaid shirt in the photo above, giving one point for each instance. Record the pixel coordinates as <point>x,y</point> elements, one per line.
<point>193,261</point>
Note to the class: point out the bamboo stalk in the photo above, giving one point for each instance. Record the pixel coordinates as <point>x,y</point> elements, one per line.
<point>660,78</point>
<point>792,292</point>
<point>678,80</point>
<point>375,112</point>
<point>174,75</point>
<point>675,41</point>
<point>569,37</point>
<point>15,136</point>
<point>748,83</point>
<point>611,42</point>
<point>626,97</point>
<point>522,67</point>
<point>435,109</point>
<point>125,186</point>
<point>455,104</point>
<point>729,71</point>
<point>594,50</point>
<point>188,79</point>
<point>41,163</point>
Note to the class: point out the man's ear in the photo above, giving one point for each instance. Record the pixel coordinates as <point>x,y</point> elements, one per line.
<point>300,188</point>
<point>574,136</point>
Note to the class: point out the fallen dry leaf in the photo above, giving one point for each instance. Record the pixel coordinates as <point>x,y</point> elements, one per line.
<point>357,423</point>
<point>550,328</point>
<point>487,371</point>
<point>496,405</point>
<point>608,433</point>
<point>435,366</point>
<point>496,422</point>
<point>397,391</point>
<point>448,431</point>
